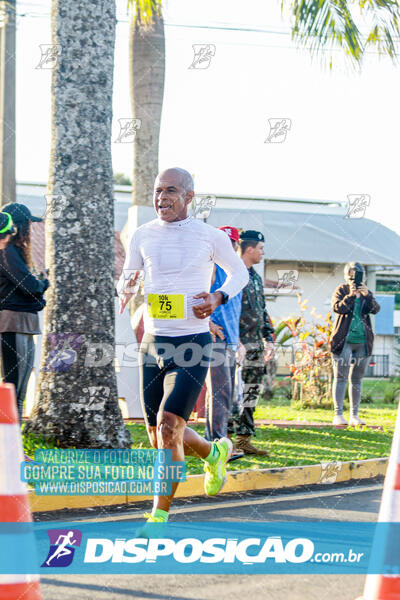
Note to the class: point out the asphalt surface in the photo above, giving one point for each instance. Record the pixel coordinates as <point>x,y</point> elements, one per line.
<point>358,502</point>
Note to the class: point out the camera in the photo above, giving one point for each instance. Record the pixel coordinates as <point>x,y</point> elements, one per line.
<point>357,277</point>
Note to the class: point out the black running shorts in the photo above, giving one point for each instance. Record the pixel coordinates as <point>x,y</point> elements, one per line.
<point>172,373</point>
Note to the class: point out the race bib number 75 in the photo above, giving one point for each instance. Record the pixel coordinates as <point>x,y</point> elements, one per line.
<point>166,306</point>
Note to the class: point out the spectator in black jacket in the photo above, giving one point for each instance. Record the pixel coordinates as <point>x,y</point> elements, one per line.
<point>21,297</point>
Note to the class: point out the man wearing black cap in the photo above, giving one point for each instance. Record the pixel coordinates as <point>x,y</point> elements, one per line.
<point>257,335</point>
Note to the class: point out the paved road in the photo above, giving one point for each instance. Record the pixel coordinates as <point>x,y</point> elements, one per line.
<point>359,503</point>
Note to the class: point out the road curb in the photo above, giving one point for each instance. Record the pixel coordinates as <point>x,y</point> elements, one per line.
<point>237,481</point>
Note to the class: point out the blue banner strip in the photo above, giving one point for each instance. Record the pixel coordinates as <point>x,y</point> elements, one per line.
<point>200,547</point>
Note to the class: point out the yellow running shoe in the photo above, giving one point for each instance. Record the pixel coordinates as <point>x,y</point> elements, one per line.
<point>215,477</point>
<point>153,528</point>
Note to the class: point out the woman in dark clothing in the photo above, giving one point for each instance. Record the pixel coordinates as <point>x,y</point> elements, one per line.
<point>351,340</point>
<point>21,297</point>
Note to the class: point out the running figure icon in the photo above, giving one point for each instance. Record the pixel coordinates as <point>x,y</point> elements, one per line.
<point>62,549</point>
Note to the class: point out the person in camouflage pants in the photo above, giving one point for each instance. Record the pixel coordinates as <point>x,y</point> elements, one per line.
<point>257,336</point>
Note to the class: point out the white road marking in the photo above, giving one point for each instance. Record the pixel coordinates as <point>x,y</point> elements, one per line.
<point>205,506</point>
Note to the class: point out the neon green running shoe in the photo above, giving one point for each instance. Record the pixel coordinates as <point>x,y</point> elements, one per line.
<point>215,477</point>
<point>153,528</point>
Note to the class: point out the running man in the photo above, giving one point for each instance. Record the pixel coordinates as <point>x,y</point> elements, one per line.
<point>177,254</point>
<point>62,549</point>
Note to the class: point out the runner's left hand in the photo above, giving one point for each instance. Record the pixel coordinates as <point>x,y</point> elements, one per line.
<point>216,331</point>
<point>211,302</point>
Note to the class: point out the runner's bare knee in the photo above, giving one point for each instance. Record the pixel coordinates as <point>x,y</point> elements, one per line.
<point>170,429</point>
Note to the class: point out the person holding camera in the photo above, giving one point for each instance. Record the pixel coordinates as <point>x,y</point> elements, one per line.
<point>21,298</point>
<point>351,340</point>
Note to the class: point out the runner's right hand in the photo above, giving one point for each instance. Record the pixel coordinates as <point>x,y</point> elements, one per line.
<point>125,295</point>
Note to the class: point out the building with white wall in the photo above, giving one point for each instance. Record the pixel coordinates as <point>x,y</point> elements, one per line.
<point>310,242</point>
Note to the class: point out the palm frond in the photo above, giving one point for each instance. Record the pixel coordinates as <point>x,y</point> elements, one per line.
<point>385,31</point>
<point>282,325</point>
<point>285,337</point>
<point>321,23</point>
<point>145,10</point>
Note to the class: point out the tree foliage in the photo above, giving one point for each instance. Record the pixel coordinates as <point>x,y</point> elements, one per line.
<point>352,26</point>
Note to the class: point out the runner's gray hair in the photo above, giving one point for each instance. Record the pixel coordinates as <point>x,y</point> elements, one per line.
<point>186,179</point>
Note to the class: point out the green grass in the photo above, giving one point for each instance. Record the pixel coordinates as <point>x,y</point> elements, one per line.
<point>281,410</point>
<point>377,406</point>
<point>287,447</point>
<point>381,389</point>
<point>32,442</point>
<point>291,447</point>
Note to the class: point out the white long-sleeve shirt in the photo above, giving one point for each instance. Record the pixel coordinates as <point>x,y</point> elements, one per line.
<point>178,258</point>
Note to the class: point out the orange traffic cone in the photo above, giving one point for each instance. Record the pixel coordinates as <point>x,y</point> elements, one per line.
<point>14,504</point>
<point>387,587</point>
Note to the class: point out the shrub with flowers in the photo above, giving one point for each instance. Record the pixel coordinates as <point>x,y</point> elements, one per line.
<point>311,366</point>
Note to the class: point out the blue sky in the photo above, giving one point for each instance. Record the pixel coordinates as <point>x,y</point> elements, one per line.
<point>344,125</point>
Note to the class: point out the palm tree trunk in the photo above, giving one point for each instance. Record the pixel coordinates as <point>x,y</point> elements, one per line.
<point>147,74</point>
<point>7,102</point>
<point>147,69</point>
<point>76,400</point>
